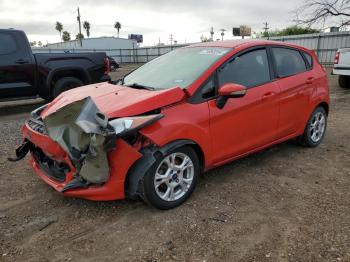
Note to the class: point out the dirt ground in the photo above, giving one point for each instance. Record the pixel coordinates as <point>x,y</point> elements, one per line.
<point>286,203</point>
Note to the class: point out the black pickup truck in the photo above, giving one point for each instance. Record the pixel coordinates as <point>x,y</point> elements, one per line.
<point>24,74</point>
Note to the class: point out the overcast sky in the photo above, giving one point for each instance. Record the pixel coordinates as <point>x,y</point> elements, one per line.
<point>187,20</point>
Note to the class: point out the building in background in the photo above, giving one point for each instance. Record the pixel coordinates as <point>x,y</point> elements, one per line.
<point>105,42</point>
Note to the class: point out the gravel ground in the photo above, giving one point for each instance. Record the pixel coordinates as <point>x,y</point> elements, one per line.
<point>286,203</point>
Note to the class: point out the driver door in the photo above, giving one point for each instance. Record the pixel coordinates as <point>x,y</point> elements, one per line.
<point>249,122</point>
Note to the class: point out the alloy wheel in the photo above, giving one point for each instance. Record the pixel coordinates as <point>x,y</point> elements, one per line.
<point>174,176</point>
<point>317,127</point>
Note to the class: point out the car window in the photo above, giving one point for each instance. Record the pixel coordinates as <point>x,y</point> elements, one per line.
<point>250,69</point>
<point>288,61</point>
<point>308,59</point>
<point>7,44</point>
<point>180,67</point>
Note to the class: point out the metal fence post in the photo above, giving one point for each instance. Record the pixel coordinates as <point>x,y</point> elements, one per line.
<point>137,57</point>
<point>146,54</point>
<point>318,46</point>
<point>120,56</point>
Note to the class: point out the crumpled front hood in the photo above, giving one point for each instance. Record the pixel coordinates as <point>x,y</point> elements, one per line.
<point>117,101</point>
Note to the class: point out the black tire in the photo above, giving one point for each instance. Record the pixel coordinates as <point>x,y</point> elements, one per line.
<point>344,81</point>
<point>307,139</point>
<point>147,185</point>
<point>64,84</point>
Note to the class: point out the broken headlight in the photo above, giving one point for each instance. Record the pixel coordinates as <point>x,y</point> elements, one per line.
<point>126,125</point>
<point>36,112</point>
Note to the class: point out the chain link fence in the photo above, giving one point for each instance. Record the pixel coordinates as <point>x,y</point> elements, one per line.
<point>324,44</point>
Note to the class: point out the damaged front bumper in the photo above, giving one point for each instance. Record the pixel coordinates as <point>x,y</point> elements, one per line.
<point>80,153</point>
<point>120,160</point>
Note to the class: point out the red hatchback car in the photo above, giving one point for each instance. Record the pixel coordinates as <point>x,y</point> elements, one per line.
<point>151,133</point>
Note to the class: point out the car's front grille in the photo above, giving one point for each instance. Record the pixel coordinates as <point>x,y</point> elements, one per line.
<point>53,169</point>
<point>37,125</point>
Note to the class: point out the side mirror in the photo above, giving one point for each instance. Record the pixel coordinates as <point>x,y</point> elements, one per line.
<point>229,90</point>
<point>232,90</point>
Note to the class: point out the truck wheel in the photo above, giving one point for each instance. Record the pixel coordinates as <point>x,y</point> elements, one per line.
<point>64,84</point>
<point>171,179</point>
<point>344,81</point>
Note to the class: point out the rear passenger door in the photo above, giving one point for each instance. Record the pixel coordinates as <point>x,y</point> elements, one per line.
<point>17,66</point>
<point>295,79</point>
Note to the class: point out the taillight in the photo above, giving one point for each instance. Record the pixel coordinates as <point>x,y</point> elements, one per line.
<point>336,59</point>
<point>107,65</point>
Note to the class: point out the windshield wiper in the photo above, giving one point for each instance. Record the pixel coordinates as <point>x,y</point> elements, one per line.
<point>139,86</point>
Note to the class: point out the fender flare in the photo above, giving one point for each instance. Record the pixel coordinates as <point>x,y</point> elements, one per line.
<point>141,166</point>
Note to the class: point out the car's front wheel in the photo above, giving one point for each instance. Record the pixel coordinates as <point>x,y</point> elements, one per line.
<point>171,179</point>
<point>315,129</point>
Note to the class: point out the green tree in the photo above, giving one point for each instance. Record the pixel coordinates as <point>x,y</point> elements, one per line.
<point>117,26</point>
<point>293,30</point>
<point>40,44</point>
<point>65,36</point>
<point>79,36</point>
<point>87,27</point>
<point>32,43</point>
<point>59,28</point>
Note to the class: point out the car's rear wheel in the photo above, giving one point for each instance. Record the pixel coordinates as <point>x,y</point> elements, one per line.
<point>315,128</point>
<point>64,84</point>
<point>171,179</point>
<point>344,81</point>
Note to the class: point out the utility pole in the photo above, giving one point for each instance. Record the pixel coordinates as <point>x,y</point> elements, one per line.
<point>212,34</point>
<point>171,39</point>
<point>78,18</point>
<point>266,30</point>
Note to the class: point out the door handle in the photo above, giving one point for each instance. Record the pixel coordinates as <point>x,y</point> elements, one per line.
<point>21,61</point>
<point>309,80</point>
<point>268,95</point>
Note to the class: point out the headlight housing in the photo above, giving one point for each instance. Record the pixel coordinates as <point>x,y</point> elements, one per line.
<point>127,125</point>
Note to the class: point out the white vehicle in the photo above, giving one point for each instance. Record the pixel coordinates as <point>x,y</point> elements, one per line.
<point>342,67</point>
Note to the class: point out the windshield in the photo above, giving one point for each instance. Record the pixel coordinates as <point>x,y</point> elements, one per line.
<point>180,67</point>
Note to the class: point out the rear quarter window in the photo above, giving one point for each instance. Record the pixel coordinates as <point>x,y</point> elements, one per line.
<point>308,59</point>
<point>288,61</point>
